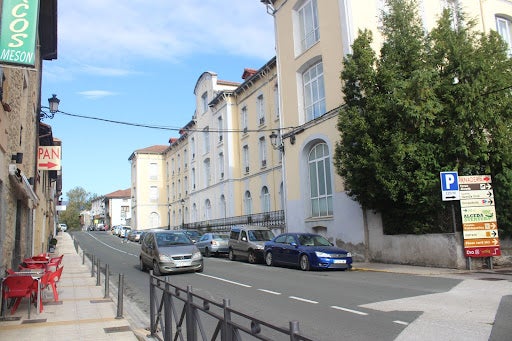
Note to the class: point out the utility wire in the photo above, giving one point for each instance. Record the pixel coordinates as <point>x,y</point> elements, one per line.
<point>149,126</point>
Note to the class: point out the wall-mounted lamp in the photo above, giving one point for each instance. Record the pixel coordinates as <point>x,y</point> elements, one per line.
<point>18,157</point>
<point>277,142</point>
<point>53,107</point>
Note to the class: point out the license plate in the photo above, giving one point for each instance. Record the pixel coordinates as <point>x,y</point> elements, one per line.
<point>340,261</point>
<point>183,263</point>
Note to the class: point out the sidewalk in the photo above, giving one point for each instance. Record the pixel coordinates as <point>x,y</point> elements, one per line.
<point>82,312</point>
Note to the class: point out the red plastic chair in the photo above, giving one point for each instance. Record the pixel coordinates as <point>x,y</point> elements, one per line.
<point>53,278</point>
<point>54,262</point>
<point>43,283</point>
<point>10,271</point>
<point>18,287</point>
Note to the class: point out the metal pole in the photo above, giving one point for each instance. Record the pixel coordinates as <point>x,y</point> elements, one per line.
<point>120,291</point>
<point>92,265</point>
<point>98,272</point>
<point>167,298</point>
<point>152,325</point>
<point>189,313</point>
<point>83,258</point>
<point>107,281</point>
<point>294,330</point>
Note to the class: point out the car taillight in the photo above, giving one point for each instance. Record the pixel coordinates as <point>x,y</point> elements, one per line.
<point>214,242</point>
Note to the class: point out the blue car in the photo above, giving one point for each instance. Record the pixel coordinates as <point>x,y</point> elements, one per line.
<point>307,251</point>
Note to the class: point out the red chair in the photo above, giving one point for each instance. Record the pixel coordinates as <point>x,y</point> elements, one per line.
<point>54,262</point>
<point>53,278</point>
<point>18,287</point>
<point>43,283</point>
<point>10,271</point>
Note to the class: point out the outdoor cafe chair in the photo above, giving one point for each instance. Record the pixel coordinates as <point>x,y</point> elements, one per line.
<point>43,283</point>
<point>54,262</point>
<point>53,278</point>
<point>17,287</point>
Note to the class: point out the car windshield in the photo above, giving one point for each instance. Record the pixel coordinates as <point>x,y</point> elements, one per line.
<point>220,236</point>
<point>313,240</point>
<point>260,235</point>
<point>171,239</point>
<point>193,233</point>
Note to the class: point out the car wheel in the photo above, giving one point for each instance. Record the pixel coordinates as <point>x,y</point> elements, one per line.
<point>252,257</point>
<point>268,259</point>
<point>207,252</point>
<point>156,269</point>
<point>142,266</point>
<point>231,255</point>
<point>304,263</point>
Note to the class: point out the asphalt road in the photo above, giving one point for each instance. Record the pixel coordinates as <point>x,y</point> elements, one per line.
<point>334,305</point>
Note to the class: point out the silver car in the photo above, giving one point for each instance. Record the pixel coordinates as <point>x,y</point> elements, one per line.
<point>213,243</point>
<point>168,251</point>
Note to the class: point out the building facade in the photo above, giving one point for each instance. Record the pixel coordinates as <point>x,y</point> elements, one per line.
<point>28,195</point>
<point>118,208</point>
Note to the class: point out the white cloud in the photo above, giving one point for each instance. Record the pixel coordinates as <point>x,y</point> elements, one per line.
<point>96,94</point>
<point>116,32</point>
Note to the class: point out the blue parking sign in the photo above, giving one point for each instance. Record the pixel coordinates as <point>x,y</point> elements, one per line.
<point>450,185</point>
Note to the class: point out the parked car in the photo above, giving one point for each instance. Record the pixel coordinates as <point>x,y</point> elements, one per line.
<point>134,235</point>
<point>248,242</point>
<point>213,243</point>
<point>168,251</point>
<point>193,234</point>
<point>306,251</point>
<point>123,232</point>
<point>63,227</point>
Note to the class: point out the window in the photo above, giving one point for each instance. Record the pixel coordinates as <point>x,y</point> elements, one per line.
<point>276,101</point>
<point>185,158</point>
<point>194,212</point>
<point>221,165</point>
<point>153,171</point>
<point>504,28</point>
<point>204,102</point>
<point>247,203</point>
<point>193,147</point>
<point>207,210</point>
<point>153,194</point>
<point>206,136</point>
<point>265,199</point>
<point>245,153</point>
<point>308,24</point>
<point>314,92</point>
<point>185,185</point>
<point>244,119</point>
<point>219,127</point>
<point>320,181</point>
<point>223,207</point>
<point>260,106</point>
<point>263,151</point>
<point>193,175</point>
<point>179,164</point>
<point>207,172</point>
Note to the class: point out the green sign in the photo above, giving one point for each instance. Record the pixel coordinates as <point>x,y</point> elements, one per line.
<point>18,31</point>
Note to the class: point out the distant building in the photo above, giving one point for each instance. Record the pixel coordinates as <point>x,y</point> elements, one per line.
<point>118,208</point>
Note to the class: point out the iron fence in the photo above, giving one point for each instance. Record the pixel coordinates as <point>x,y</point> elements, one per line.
<point>178,313</point>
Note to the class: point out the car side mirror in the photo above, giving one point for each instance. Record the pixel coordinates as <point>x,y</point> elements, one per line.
<point>294,244</point>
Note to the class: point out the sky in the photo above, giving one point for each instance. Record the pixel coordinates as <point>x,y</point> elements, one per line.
<point>137,61</point>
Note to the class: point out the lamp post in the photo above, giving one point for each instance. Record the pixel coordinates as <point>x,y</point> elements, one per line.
<point>168,216</point>
<point>53,107</point>
<point>276,141</point>
<point>182,214</point>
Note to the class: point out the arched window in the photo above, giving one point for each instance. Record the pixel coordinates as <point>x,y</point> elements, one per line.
<point>247,203</point>
<point>223,207</point>
<point>207,209</point>
<point>320,185</point>
<point>265,199</point>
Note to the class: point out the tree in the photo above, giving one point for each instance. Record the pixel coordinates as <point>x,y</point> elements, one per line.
<point>428,103</point>
<point>78,201</point>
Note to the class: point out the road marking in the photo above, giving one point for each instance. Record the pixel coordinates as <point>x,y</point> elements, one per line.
<point>349,310</point>
<point>225,280</point>
<point>401,322</point>
<point>113,248</point>
<point>302,299</point>
<point>270,292</point>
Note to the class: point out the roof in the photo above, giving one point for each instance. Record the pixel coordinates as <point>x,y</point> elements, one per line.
<point>156,149</point>
<point>121,193</point>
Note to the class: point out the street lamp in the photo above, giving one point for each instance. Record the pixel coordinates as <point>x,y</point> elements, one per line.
<point>53,107</point>
<point>169,216</point>
<point>182,214</point>
<point>276,141</point>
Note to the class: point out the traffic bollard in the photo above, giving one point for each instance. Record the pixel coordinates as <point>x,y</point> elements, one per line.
<point>107,280</point>
<point>120,290</point>
<point>98,272</point>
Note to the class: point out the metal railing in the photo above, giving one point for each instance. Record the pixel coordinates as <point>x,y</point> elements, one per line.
<point>177,313</point>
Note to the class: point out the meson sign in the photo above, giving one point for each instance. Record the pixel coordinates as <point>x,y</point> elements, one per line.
<point>18,31</point>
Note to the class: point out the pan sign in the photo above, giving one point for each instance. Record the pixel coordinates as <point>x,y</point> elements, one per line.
<point>450,186</point>
<point>48,158</point>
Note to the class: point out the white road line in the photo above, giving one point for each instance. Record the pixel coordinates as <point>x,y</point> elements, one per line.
<point>401,322</point>
<point>302,299</point>
<point>225,280</point>
<point>348,310</point>
<point>131,254</point>
<point>270,292</point>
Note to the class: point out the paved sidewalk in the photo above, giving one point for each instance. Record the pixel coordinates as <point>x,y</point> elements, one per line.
<point>82,312</point>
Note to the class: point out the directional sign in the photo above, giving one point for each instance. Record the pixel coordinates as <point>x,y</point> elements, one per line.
<point>480,226</point>
<point>481,242</point>
<point>476,202</point>
<point>48,158</point>
<point>478,214</point>
<point>484,251</point>
<point>474,179</point>
<point>478,234</point>
<point>449,186</point>
<point>476,194</point>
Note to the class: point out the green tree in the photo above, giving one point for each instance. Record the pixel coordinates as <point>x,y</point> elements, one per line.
<point>428,103</point>
<point>78,200</point>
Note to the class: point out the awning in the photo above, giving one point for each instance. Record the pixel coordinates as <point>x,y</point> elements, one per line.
<point>22,184</point>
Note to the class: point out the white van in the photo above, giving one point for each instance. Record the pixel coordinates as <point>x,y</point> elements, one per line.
<point>63,227</point>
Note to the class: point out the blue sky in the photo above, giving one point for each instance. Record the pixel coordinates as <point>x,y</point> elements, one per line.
<point>138,61</point>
